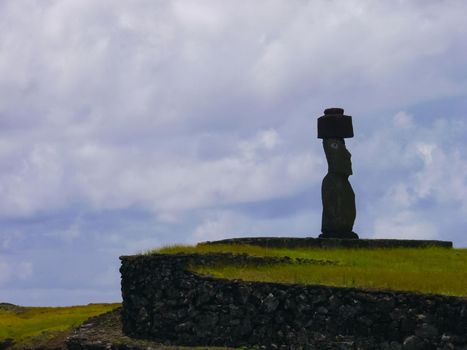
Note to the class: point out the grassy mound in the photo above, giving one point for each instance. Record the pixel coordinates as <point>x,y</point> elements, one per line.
<point>31,327</point>
<point>426,270</point>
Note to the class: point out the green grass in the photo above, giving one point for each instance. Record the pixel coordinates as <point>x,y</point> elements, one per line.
<point>32,325</point>
<point>426,270</point>
<point>48,327</point>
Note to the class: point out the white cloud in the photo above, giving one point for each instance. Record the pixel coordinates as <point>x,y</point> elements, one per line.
<point>403,120</point>
<point>14,271</point>
<point>10,237</point>
<point>108,177</point>
<point>68,234</point>
<point>137,246</point>
<point>444,177</point>
<point>405,225</point>
<point>34,183</point>
<point>5,272</point>
<point>109,278</point>
<point>221,224</point>
<point>190,111</point>
<point>264,140</point>
<point>24,270</point>
<point>426,151</point>
<point>426,189</point>
<point>401,195</point>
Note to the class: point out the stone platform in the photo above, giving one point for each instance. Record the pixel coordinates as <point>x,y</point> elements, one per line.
<point>309,242</point>
<point>164,301</point>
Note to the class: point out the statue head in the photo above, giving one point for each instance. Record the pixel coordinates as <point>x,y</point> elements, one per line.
<point>338,156</point>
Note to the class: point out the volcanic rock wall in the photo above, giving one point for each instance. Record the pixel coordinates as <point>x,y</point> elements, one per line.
<point>165,302</point>
<point>310,242</point>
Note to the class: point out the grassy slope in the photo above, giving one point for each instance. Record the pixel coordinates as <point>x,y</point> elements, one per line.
<point>427,270</point>
<point>39,325</point>
<point>48,327</point>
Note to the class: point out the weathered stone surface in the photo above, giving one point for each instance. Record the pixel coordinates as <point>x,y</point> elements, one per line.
<point>6,343</point>
<point>309,242</point>
<point>334,124</point>
<point>104,332</point>
<point>183,308</point>
<point>427,331</point>
<point>339,210</point>
<point>336,192</point>
<point>337,195</point>
<point>414,342</point>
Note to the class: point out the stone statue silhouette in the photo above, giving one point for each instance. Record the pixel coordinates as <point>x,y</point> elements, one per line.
<point>336,192</point>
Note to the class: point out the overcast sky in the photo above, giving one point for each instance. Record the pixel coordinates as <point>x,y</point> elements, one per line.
<point>128,125</point>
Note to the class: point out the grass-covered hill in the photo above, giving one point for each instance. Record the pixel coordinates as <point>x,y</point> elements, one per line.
<point>48,327</point>
<point>426,270</point>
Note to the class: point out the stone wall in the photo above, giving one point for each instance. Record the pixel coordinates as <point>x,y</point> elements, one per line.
<point>163,301</point>
<point>310,242</point>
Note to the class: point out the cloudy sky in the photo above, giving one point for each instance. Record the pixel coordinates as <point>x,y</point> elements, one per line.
<point>128,125</point>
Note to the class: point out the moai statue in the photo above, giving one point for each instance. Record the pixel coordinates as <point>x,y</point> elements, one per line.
<point>336,192</point>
